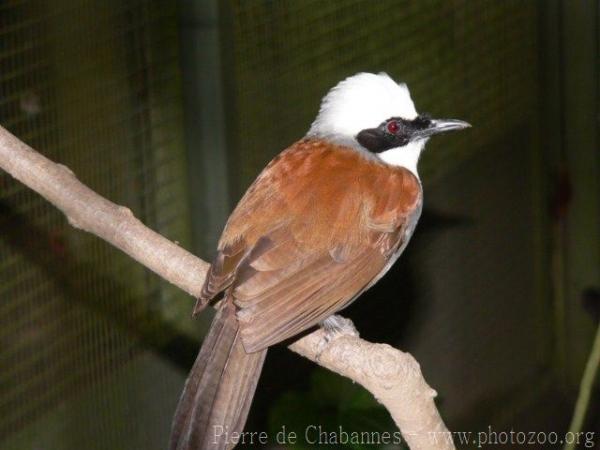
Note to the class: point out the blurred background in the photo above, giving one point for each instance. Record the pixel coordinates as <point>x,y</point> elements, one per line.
<point>172,108</point>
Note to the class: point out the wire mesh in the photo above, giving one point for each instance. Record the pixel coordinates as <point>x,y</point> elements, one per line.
<point>93,85</point>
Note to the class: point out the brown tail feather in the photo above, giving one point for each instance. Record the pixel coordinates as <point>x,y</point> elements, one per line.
<point>219,390</point>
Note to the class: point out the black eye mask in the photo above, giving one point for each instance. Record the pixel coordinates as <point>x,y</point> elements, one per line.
<point>394,132</point>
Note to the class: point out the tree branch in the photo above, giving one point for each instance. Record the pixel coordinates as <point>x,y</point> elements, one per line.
<point>393,377</point>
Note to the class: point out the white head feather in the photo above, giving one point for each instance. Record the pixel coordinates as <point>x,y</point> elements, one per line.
<point>365,101</point>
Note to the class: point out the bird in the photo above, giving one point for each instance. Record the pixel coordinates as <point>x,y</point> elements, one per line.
<point>322,223</point>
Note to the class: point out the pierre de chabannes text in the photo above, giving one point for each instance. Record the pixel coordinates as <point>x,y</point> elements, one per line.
<point>319,435</point>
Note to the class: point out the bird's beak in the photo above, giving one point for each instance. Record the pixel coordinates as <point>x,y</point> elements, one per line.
<point>441,126</point>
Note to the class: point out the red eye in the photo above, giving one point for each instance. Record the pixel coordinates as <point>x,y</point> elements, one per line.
<point>392,127</point>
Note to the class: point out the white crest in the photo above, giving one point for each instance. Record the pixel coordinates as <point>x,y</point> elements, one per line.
<point>364,101</point>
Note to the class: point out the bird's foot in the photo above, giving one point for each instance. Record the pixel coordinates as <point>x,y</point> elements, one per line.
<point>334,327</point>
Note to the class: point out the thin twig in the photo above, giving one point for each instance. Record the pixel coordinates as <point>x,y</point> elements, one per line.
<point>585,391</point>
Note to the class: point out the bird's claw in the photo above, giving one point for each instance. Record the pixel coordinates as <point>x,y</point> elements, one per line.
<point>334,327</point>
